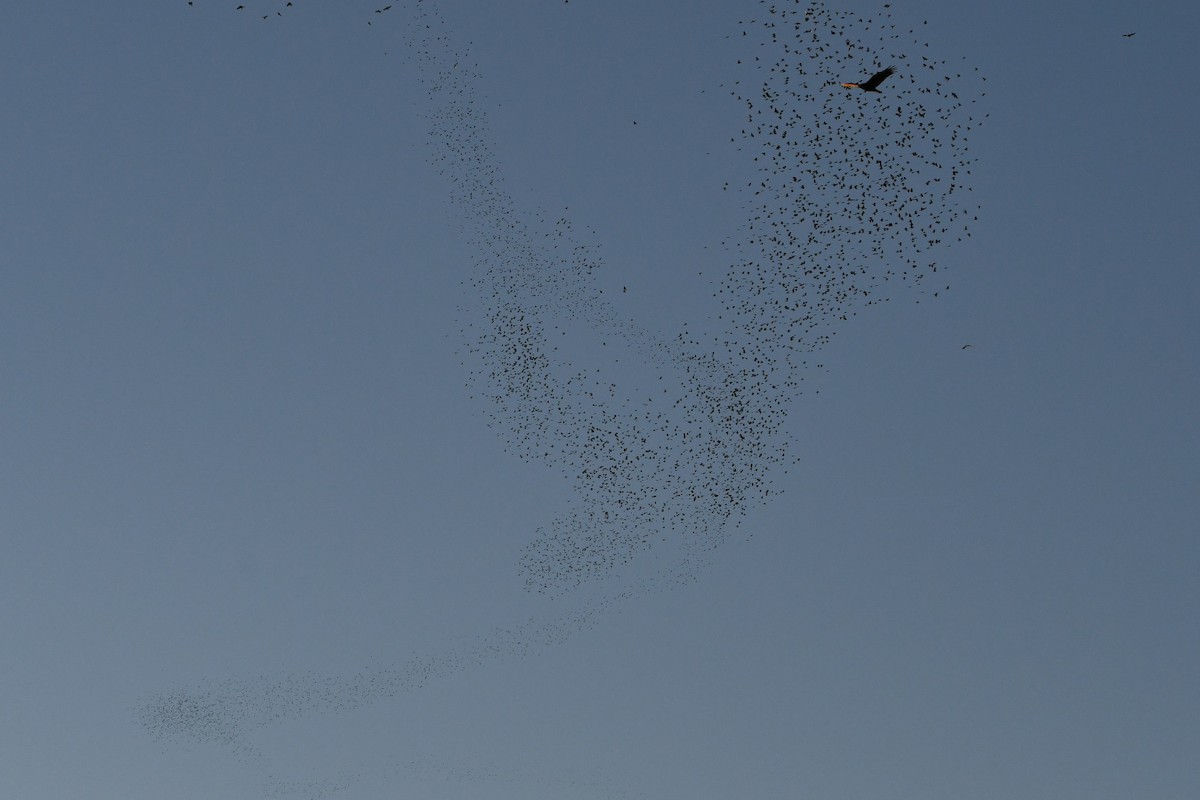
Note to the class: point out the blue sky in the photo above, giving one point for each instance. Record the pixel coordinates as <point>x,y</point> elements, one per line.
<point>248,471</point>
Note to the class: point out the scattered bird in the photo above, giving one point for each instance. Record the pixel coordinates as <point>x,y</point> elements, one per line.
<point>1129,35</point>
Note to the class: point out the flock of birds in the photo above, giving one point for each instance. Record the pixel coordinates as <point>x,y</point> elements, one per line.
<point>854,193</point>
<point>226,713</point>
<point>852,189</point>
<point>848,200</point>
<point>278,8</point>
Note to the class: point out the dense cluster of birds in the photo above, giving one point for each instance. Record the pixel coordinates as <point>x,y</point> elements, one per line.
<point>850,197</point>
<point>651,466</point>
<point>856,191</point>
<point>858,173</point>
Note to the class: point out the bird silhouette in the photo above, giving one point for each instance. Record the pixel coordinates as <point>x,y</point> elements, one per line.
<point>872,85</point>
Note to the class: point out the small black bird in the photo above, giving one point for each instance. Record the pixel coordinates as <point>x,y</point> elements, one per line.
<point>873,84</point>
<point>1129,35</point>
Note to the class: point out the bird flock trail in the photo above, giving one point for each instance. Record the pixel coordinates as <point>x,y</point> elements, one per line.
<point>851,197</point>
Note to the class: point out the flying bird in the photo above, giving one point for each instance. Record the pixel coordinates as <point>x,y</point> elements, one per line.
<point>873,84</point>
<point>1129,35</point>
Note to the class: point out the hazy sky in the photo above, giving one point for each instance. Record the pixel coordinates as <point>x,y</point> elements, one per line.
<point>263,535</point>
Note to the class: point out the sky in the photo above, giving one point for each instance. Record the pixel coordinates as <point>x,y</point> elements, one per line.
<point>403,403</point>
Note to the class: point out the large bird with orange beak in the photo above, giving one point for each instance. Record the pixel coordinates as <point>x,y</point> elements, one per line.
<point>873,84</point>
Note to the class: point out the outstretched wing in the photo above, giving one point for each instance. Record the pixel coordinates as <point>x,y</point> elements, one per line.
<point>878,78</point>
